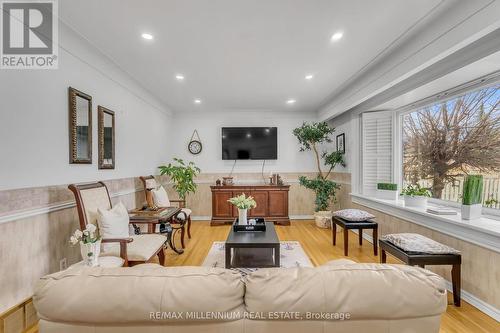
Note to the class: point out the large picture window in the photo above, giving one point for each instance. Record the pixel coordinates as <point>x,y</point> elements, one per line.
<point>445,141</point>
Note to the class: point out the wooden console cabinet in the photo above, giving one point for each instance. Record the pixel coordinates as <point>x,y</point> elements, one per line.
<point>272,203</point>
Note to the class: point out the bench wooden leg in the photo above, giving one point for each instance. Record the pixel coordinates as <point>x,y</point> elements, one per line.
<point>346,242</point>
<point>334,233</point>
<point>383,256</point>
<point>375,242</point>
<point>360,236</point>
<point>455,279</point>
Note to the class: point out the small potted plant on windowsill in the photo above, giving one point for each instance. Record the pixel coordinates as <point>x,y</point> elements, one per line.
<point>472,197</point>
<point>387,191</point>
<point>415,196</point>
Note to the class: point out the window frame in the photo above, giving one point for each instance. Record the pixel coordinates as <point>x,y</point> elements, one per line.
<point>474,85</point>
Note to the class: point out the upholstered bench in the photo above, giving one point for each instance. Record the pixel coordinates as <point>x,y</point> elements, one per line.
<point>418,250</point>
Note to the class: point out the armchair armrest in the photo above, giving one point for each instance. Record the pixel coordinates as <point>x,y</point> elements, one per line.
<point>123,246</point>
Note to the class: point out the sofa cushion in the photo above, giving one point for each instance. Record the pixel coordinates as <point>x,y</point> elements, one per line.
<point>142,248</point>
<point>338,262</point>
<point>130,295</point>
<point>365,291</point>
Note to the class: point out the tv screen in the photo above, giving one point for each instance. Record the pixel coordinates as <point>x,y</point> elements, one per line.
<point>249,143</point>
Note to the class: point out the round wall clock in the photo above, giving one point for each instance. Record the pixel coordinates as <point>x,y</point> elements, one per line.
<point>195,146</point>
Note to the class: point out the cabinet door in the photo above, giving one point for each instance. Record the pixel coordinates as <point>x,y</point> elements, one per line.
<point>261,198</point>
<point>220,205</point>
<point>278,203</point>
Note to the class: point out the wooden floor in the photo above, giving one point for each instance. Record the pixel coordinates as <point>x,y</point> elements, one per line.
<point>317,244</point>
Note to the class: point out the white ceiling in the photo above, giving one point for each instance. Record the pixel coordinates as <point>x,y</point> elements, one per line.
<point>242,55</point>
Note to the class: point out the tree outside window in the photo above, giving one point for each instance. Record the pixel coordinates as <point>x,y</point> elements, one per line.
<point>445,141</point>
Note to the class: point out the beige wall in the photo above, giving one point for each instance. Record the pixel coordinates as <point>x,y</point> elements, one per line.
<point>301,200</point>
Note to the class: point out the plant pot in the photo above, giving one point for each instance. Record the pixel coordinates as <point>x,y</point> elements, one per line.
<point>90,253</point>
<point>242,216</point>
<point>323,219</point>
<point>417,201</point>
<point>471,212</point>
<point>387,194</point>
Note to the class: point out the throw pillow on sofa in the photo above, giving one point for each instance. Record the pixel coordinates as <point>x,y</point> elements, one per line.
<point>354,215</point>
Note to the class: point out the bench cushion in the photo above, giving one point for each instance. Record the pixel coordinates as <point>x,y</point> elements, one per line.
<point>410,242</point>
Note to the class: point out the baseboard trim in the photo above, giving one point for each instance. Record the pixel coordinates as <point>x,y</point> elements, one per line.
<point>24,214</point>
<point>481,305</point>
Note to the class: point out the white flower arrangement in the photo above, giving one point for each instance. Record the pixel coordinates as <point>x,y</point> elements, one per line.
<point>243,202</point>
<point>89,235</point>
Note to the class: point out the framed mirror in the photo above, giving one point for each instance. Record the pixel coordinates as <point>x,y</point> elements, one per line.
<point>106,137</point>
<point>80,127</point>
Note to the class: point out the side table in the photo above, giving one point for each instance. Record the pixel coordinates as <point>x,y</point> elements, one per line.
<point>360,226</point>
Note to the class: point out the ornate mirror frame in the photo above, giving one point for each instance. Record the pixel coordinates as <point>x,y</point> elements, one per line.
<point>101,112</point>
<point>73,94</point>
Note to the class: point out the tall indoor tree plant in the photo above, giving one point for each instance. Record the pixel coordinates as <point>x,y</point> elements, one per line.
<point>311,136</point>
<point>182,175</point>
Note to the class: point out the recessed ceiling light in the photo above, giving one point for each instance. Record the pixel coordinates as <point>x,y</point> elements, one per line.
<point>147,36</point>
<point>197,101</point>
<point>291,101</point>
<point>337,36</point>
<point>179,77</point>
<point>309,77</point>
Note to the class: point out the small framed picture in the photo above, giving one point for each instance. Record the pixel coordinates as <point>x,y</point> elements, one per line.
<point>341,143</point>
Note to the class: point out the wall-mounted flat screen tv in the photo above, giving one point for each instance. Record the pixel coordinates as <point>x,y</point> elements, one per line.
<point>249,143</point>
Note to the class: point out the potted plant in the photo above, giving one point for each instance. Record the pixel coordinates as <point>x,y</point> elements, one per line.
<point>387,191</point>
<point>472,197</point>
<point>243,203</point>
<point>310,136</point>
<point>415,196</point>
<point>90,244</point>
<point>182,175</point>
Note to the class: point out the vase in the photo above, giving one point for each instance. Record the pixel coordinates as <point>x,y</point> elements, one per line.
<point>387,195</point>
<point>242,216</point>
<point>471,212</point>
<point>90,253</point>
<point>323,219</point>
<point>417,201</point>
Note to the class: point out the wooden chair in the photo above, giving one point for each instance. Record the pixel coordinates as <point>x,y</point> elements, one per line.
<point>134,249</point>
<point>149,183</point>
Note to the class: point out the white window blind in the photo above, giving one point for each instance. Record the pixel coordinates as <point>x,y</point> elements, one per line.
<point>377,135</point>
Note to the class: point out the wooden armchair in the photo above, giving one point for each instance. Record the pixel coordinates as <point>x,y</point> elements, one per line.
<point>149,183</point>
<point>134,249</point>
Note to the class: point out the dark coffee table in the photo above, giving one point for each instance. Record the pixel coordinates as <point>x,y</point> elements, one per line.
<point>256,249</point>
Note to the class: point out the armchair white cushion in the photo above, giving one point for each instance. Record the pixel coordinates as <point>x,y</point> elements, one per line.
<point>113,223</point>
<point>160,197</point>
<point>141,248</point>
